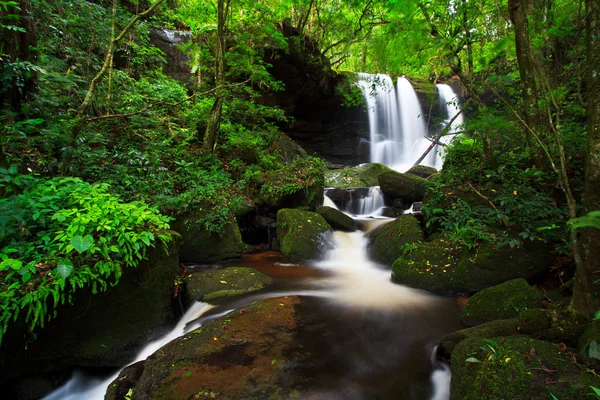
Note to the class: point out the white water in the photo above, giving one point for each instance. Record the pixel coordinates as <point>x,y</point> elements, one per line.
<point>450,101</point>
<point>371,205</point>
<point>397,125</point>
<point>329,203</point>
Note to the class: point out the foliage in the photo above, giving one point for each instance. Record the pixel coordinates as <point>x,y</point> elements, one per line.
<point>63,234</point>
<point>592,219</point>
<point>300,175</point>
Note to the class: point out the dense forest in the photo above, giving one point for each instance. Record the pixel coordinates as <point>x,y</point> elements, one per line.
<point>140,130</point>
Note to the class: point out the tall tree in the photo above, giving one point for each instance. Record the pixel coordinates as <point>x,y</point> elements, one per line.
<point>586,296</point>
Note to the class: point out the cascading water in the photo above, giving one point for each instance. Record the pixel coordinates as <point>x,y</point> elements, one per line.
<point>450,102</point>
<point>368,201</point>
<point>397,125</point>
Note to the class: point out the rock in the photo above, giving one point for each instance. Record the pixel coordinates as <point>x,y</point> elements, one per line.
<point>213,284</point>
<point>503,327</point>
<point>443,267</point>
<point>201,246</point>
<point>169,41</point>
<point>242,207</point>
<point>567,326</point>
<point>303,235</point>
<point>589,346</point>
<point>289,187</point>
<point>288,149</point>
<point>503,301</point>
<point>534,320</point>
<point>387,242</point>
<point>240,355</point>
<point>422,171</point>
<point>105,329</point>
<point>516,367</point>
<point>337,219</point>
<point>364,175</point>
<point>407,187</point>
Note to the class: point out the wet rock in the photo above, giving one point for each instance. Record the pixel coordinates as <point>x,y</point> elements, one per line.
<point>422,171</point>
<point>516,367</point>
<point>303,235</point>
<point>240,355</point>
<point>503,301</point>
<point>407,187</point>
<point>337,219</point>
<point>168,41</point>
<point>364,175</point>
<point>503,327</point>
<point>389,241</point>
<point>288,149</point>
<point>444,267</point>
<point>200,245</point>
<point>213,284</point>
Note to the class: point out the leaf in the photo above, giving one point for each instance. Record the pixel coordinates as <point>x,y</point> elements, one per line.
<point>597,315</point>
<point>472,360</point>
<point>81,244</point>
<point>64,268</point>
<point>553,397</point>
<point>187,374</point>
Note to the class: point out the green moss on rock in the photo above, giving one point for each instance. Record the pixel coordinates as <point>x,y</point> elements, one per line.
<point>364,175</point>
<point>516,367</point>
<point>407,187</point>
<point>422,171</point>
<point>503,301</point>
<point>212,284</point>
<point>503,327</point>
<point>534,320</point>
<point>389,241</point>
<point>303,235</point>
<point>337,219</point>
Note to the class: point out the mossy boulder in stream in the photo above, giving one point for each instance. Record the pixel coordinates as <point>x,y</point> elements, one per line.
<point>249,353</point>
<point>303,235</point>
<point>213,284</point>
<point>408,187</point>
<point>422,171</point>
<point>516,367</point>
<point>389,241</point>
<point>502,327</point>
<point>445,267</point>
<point>337,219</point>
<point>506,300</point>
<point>201,246</point>
<point>364,175</point>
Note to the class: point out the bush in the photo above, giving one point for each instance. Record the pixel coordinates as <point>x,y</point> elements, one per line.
<point>59,235</point>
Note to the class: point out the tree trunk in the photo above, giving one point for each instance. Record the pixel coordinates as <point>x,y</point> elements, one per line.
<point>517,10</point>
<point>586,293</point>
<point>214,119</point>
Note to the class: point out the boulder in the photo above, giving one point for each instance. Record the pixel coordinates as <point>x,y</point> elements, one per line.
<point>589,346</point>
<point>288,149</point>
<point>169,41</point>
<point>516,367</point>
<point>407,187</point>
<point>293,186</point>
<point>364,175</point>
<point>503,301</point>
<point>201,246</point>
<point>249,354</point>
<point>337,219</point>
<point>503,327</point>
<point>389,241</point>
<point>213,284</point>
<point>444,267</point>
<point>303,235</point>
<point>422,171</point>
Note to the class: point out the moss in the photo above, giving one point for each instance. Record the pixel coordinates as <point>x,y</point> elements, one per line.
<point>361,176</point>
<point>516,367</point>
<point>303,235</point>
<point>337,219</point>
<point>213,284</point>
<point>503,301</point>
<point>534,320</point>
<point>422,171</point>
<point>444,267</point>
<point>407,187</point>
<point>389,241</point>
<point>589,345</point>
<point>503,327</point>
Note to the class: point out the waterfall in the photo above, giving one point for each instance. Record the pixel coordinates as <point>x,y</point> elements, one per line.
<point>367,201</point>
<point>449,101</point>
<point>397,124</point>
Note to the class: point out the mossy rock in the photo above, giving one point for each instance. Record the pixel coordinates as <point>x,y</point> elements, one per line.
<point>303,235</point>
<point>444,267</point>
<point>567,326</point>
<point>213,284</point>
<point>364,175</point>
<point>387,242</point>
<point>279,197</point>
<point>422,171</point>
<point>534,320</point>
<point>502,327</point>
<point>201,246</point>
<point>503,301</point>
<point>337,219</point>
<point>288,149</point>
<point>247,354</point>
<point>407,187</point>
<point>589,346</point>
<point>242,207</point>
<point>516,367</point>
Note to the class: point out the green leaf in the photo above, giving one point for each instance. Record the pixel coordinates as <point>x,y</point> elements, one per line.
<point>64,268</point>
<point>81,244</point>
<point>472,360</point>
<point>597,315</point>
<point>187,374</point>
<point>553,397</point>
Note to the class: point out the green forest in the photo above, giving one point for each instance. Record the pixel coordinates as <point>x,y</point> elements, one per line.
<point>117,151</point>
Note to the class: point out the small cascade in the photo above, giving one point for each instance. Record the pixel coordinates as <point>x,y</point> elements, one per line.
<point>327,202</point>
<point>368,201</point>
<point>449,100</point>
